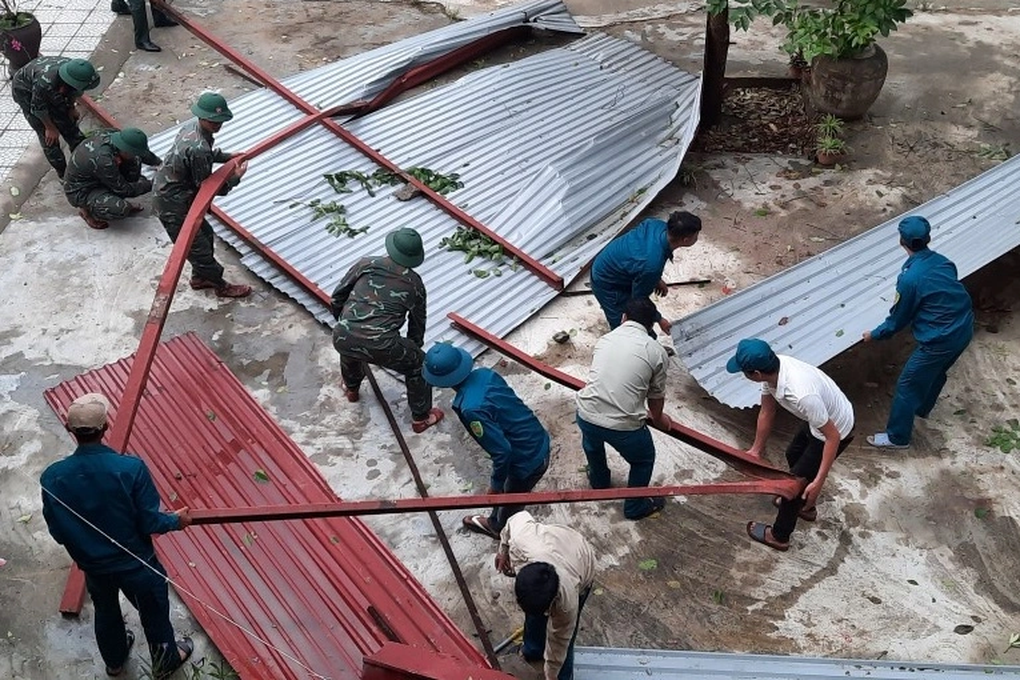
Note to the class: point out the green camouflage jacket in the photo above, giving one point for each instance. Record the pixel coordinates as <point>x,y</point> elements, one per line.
<point>188,163</point>
<point>95,164</point>
<point>37,84</point>
<point>374,298</point>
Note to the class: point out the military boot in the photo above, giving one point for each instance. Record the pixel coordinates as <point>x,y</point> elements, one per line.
<point>161,20</point>
<point>120,7</point>
<point>91,220</point>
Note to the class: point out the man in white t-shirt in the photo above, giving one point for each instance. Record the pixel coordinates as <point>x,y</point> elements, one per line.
<point>828,417</point>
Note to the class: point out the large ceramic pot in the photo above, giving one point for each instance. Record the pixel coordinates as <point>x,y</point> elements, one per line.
<point>21,45</point>
<point>847,87</point>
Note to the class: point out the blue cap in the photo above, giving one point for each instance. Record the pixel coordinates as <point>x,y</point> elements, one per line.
<point>752,355</point>
<point>915,227</point>
<point>446,365</point>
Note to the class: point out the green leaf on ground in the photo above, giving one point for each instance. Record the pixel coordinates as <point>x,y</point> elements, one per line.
<point>210,415</point>
<point>960,412</point>
<point>648,565</point>
<point>981,513</point>
<point>247,539</point>
<point>839,333</point>
<point>718,596</point>
<point>260,476</point>
<point>24,519</point>
<point>912,582</point>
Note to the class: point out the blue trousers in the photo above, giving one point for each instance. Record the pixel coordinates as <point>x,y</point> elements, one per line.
<point>533,647</point>
<point>612,301</point>
<point>636,447</point>
<point>147,592</point>
<point>919,386</point>
<point>500,515</point>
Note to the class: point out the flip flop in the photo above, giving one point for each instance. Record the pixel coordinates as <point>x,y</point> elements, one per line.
<point>806,514</point>
<point>186,645</point>
<point>757,532</point>
<point>114,672</point>
<point>480,525</point>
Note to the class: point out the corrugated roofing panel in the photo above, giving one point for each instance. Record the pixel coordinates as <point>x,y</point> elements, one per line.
<point>307,587</point>
<point>558,152</point>
<point>592,663</point>
<point>829,300</point>
<point>259,114</point>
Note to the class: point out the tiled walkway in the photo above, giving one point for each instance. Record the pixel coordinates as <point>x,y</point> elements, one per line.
<point>71,28</point>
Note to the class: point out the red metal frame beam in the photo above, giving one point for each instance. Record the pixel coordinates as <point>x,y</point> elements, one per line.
<point>440,201</point>
<point>787,488</point>
<point>715,448</point>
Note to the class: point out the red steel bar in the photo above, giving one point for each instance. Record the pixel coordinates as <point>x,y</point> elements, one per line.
<point>717,449</point>
<point>440,201</point>
<point>787,488</point>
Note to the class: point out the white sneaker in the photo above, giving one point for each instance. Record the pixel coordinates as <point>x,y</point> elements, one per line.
<point>880,440</point>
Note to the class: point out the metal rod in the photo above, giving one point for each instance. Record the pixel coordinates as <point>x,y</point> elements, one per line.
<point>440,201</point>
<point>736,458</point>
<point>444,541</point>
<point>787,488</point>
<point>674,284</point>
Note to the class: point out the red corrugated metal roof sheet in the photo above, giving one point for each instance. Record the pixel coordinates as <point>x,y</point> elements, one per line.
<point>327,592</point>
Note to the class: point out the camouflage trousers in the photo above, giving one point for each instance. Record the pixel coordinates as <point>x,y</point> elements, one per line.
<point>395,353</point>
<point>105,205</point>
<point>68,129</point>
<point>203,262</point>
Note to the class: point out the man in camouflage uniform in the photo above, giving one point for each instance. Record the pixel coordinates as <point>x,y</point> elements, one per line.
<point>370,306</point>
<point>105,170</point>
<point>188,163</point>
<point>46,89</point>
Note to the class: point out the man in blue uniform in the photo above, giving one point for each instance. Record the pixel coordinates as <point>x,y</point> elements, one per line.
<point>103,508</point>
<point>631,266</point>
<point>501,424</point>
<point>931,299</point>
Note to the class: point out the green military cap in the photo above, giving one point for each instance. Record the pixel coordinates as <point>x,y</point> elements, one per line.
<point>79,74</point>
<point>405,248</point>
<point>133,141</point>
<point>212,107</point>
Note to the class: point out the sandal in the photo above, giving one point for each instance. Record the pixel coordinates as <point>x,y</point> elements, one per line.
<point>91,220</point>
<point>185,647</point>
<point>434,417</point>
<point>806,514</point>
<point>114,672</point>
<point>480,525</point>
<point>761,533</point>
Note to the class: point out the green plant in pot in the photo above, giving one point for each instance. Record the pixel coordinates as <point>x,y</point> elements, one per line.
<point>20,35</point>
<point>848,68</point>
<point>830,147</point>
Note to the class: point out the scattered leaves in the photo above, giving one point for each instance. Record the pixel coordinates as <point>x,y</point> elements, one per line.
<point>24,519</point>
<point>260,476</point>
<point>981,513</point>
<point>210,416</point>
<point>963,629</point>
<point>15,191</point>
<point>912,582</point>
<point>334,540</point>
<point>839,333</point>
<point>247,539</point>
<point>785,320</point>
<point>675,585</point>
<point>1006,437</point>
<point>1014,642</point>
<point>718,596</point>
<point>960,412</point>
<point>648,565</point>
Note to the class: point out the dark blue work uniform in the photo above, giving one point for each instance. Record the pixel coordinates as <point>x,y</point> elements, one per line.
<point>931,299</point>
<point>508,431</point>
<point>114,493</point>
<point>630,267</point>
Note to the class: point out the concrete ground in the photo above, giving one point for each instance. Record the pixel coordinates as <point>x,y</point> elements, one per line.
<point>914,555</point>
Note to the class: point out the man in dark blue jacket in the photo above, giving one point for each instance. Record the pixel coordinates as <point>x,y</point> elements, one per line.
<point>631,265</point>
<point>501,424</point>
<point>931,299</point>
<point>103,508</point>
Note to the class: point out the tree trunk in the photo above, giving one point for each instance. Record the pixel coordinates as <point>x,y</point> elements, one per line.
<point>717,45</point>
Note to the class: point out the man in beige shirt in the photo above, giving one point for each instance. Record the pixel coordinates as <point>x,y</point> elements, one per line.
<point>628,369</point>
<point>554,568</point>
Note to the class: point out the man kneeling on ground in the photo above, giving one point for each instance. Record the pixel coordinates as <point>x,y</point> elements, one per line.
<point>105,170</point>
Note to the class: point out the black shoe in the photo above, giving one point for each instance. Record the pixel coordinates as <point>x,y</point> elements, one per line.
<point>655,506</point>
<point>148,46</point>
<point>120,7</point>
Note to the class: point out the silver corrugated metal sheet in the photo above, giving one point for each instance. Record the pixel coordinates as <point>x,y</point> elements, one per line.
<point>557,152</point>
<point>595,663</point>
<point>259,114</point>
<point>829,300</point>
